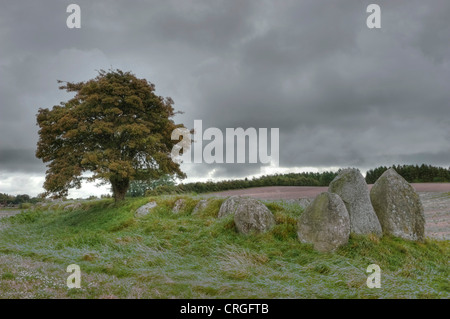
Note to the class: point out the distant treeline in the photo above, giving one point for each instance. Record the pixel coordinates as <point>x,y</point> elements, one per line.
<point>413,173</point>
<point>290,179</point>
<point>11,200</point>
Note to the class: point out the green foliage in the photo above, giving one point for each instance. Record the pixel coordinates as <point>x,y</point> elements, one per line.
<point>115,127</point>
<point>139,188</point>
<point>25,205</point>
<point>26,218</point>
<point>413,173</point>
<point>8,276</point>
<point>6,199</point>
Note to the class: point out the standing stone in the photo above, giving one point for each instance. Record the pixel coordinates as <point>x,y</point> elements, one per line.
<point>145,209</point>
<point>252,216</point>
<point>178,206</point>
<point>351,186</point>
<point>201,205</point>
<point>325,223</point>
<point>229,206</point>
<point>398,206</point>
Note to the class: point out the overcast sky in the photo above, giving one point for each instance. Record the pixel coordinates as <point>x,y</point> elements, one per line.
<point>341,94</point>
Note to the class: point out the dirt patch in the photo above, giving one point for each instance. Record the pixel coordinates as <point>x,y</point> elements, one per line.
<point>436,207</point>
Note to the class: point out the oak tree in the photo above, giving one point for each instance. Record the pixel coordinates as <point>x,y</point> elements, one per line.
<point>115,127</point>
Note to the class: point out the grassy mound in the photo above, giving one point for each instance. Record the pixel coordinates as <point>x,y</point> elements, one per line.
<point>185,255</point>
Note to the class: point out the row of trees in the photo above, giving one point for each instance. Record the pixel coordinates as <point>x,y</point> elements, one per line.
<point>413,173</point>
<point>291,179</point>
<point>11,200</point>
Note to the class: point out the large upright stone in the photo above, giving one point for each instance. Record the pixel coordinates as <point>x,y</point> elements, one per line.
<point>351,186</point>
<point>145,209</point>
<point>398,206</point>
<point>201,205</point>
<point>178,205</point>
<point>253,216</point>
<point>229,206</point>
<point>325,223</point>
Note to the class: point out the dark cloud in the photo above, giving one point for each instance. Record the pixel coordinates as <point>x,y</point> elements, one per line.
<point>20,160</point>
<point>341,94</point>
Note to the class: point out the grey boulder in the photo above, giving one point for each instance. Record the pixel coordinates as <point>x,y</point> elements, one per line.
<point>178,206</point>
<point>325,223</point>
<point>398,206</point>
<point>250,215</point>
<point>201,205</point>
<point>229,206</point>
<point>145,209</point>
<point>351,187</point>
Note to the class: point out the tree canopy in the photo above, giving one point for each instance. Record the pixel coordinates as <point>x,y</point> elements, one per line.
<point>115,127</point>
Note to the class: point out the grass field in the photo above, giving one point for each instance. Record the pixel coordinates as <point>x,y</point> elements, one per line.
<point>167,255</point>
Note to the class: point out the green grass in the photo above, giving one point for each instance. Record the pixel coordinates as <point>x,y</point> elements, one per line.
<point>167,255</point>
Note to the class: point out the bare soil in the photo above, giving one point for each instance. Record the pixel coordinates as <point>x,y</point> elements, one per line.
<point>296,192</point>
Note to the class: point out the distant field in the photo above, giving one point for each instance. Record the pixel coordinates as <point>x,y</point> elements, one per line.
<point>295,192</point>
<point>167,255</point>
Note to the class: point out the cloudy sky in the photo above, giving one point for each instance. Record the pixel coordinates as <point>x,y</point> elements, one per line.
<point>341,94</point>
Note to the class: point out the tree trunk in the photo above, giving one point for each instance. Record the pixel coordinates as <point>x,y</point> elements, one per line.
<point>120,186</point>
